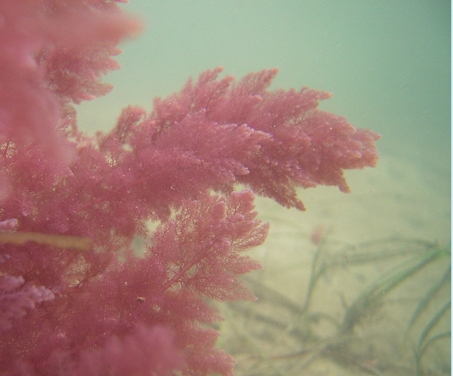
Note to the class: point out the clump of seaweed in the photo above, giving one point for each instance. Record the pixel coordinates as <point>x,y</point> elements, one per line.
<point>377,308</point>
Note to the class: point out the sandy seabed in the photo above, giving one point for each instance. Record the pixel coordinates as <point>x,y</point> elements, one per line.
<point>377,303</point>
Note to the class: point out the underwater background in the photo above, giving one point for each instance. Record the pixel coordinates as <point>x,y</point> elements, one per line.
<point>387,64</point>
<point>384,247</point>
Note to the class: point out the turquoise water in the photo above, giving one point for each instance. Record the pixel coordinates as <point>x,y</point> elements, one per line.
<point>387,62</point>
